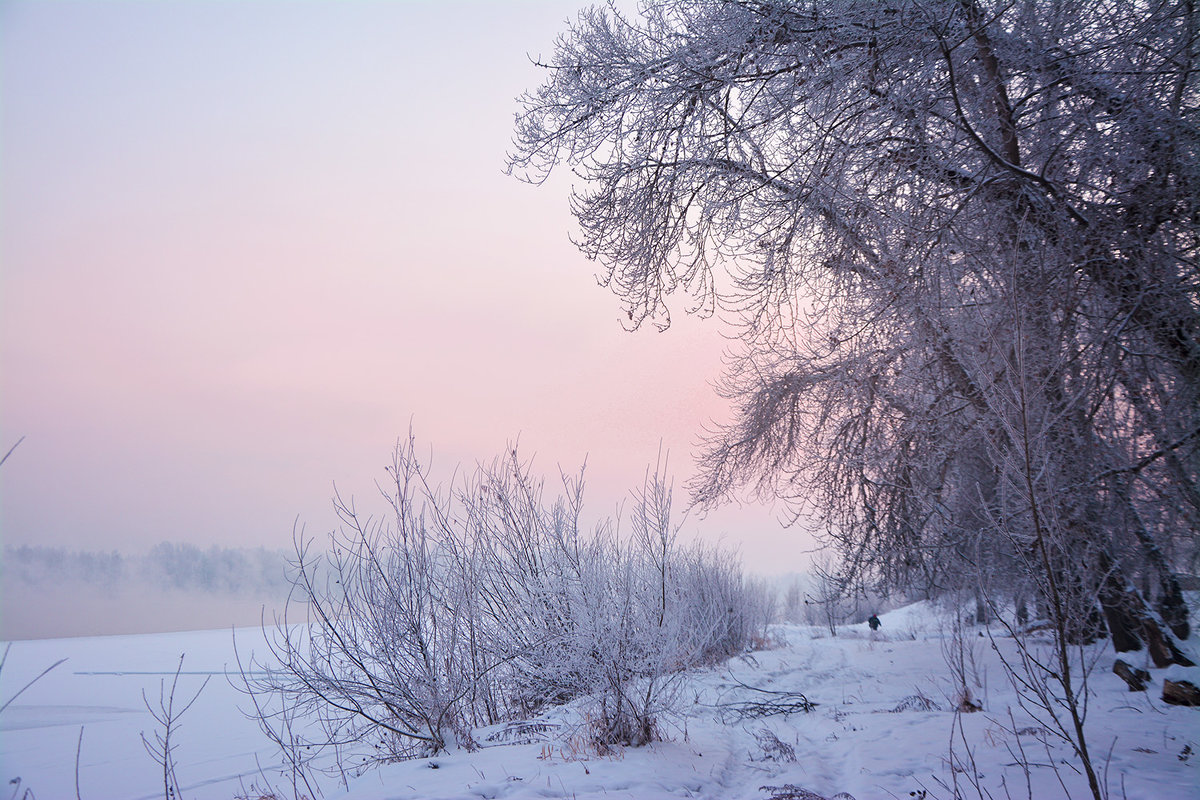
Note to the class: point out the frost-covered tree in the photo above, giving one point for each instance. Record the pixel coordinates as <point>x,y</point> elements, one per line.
<point>959,241</point>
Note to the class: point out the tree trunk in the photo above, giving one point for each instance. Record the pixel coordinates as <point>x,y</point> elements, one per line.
<point>1131,623</point>
<point>1181,693</point>
<point>981,610</point>
<point>1123,625</point>
<point>1172,607</point>
<point>1137,679</point>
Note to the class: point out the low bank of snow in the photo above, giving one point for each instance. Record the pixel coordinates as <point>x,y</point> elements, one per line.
<point>872,735</point>
<point>882,728</point>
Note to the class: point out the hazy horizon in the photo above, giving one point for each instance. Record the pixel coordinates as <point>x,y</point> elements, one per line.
<point>57,592</point>
<point>246,245</point>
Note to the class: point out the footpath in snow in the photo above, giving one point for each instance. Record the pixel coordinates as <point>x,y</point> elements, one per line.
<point>882,728</point>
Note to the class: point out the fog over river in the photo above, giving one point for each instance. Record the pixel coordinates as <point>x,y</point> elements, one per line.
<point>48,592</point>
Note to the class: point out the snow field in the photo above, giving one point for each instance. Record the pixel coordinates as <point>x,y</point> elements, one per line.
<point>870,735</point>
<point>99,688</point>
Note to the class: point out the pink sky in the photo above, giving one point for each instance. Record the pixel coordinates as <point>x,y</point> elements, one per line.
<point>242,245</point>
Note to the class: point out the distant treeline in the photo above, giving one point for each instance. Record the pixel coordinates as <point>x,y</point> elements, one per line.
<point>168,565</point>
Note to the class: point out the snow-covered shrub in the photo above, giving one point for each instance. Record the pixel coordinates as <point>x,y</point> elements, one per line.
<point>383,653</point>
<point>598,614</point>
<point>773,748</point>
<point>486,602</point>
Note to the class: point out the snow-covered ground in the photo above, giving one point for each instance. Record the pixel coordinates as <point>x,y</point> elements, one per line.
<point>99,690</point>
<point>882,728</point>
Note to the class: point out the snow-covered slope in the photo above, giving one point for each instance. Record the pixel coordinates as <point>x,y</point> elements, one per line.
<point>883,727</point>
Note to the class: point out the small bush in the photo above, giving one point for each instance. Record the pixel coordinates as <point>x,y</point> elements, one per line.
<point>485,602</point>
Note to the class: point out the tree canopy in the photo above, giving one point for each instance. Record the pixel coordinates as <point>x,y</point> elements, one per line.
<point>958,241</point>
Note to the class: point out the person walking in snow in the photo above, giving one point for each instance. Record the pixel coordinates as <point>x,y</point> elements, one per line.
<point>873,621</point>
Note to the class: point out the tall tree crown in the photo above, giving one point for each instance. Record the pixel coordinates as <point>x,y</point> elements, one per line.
<point>941,227</point>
